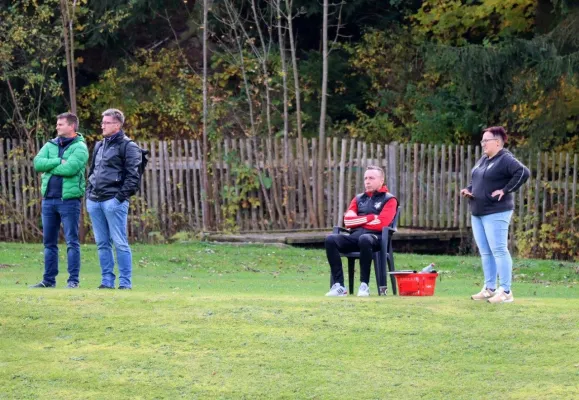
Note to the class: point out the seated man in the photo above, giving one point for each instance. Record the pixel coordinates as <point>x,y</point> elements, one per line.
<point>368,213</point>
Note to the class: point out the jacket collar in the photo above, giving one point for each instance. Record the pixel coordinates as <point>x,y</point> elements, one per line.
<point>383,189</point>
<point>77,138</point>
<point>114,137</point>
<point>63,142</point>
<point>499,153</point>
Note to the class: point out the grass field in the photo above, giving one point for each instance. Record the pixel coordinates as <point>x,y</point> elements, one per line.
<point>207,321</point>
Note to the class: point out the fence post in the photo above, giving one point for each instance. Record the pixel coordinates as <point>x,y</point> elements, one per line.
<point>393,169</point>
<point>338,221</point>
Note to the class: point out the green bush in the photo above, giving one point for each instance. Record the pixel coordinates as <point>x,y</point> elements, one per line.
<point>556,239</point>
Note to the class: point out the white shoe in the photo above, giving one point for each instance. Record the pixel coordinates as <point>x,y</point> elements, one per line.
<point>364,290</point>
<point>337,291</point>
<point>502,297</point>
<point>484,294</point>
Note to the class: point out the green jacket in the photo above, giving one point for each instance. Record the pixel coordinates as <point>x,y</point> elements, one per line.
<point>72,172</point>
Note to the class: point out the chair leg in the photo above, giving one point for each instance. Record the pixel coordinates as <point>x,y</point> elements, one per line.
<point>390,260</point>
<point>380,272</point>
<point>351,274</point>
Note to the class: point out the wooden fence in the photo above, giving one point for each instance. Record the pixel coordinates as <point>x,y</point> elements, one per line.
<point>256,186</point>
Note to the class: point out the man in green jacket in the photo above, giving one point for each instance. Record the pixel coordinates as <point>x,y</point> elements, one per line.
<point>62,162</point>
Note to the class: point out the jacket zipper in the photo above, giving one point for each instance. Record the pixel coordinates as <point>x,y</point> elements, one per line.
<point>71,143</point>
<point>102,150</point>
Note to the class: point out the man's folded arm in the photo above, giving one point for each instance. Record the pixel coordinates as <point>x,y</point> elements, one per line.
<point>385,217</point>
<point>42,161</point>
<point>351,217</point>
<point>74,164</point>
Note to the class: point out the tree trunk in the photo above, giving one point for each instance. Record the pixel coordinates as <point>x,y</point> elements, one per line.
<point>204,172</point>
<point>284,80</point>
<point>288,191</point>
<point>322,130</point>
<point>306,178</point>
<point>67,14</point>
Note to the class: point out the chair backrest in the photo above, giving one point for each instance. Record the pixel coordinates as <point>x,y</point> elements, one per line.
<point>387,238</point>
<point>394,223</point>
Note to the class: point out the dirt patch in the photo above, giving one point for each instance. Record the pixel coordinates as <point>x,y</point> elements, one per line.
<point>6,266</point>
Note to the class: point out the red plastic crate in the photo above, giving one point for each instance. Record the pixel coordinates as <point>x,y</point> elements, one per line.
<point>416,284</point>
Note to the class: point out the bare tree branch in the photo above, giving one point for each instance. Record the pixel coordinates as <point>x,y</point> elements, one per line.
<point>234,17</point>
<point>17,108</point>
<point>338,26</point>
<point>181,52</point>
<point>264,68</point>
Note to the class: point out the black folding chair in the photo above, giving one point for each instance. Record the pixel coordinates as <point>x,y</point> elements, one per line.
<point>381,257</point>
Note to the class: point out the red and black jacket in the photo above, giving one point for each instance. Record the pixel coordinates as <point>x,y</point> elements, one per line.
<point>374,210</point>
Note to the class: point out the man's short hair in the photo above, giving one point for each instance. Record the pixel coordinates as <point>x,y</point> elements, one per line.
<point>375,168</point>
<point>70,118</point>
<point>116,114</point>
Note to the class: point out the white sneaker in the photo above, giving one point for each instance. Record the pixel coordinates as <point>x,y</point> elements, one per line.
<point>337,291</point>
<point>364,290</point>
<point>502,297</point>
<point>484,294</point>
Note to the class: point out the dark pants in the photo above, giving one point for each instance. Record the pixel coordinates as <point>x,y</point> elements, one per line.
<point>55,211</point>
<point>365,243</point>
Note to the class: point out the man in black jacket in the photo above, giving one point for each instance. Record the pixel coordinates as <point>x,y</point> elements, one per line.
<point>367,214</point>
<point>113,179</point>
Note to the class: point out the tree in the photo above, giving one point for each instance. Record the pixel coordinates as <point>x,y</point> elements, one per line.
<point>204,169</point>
<point>322,129</point>
<point>67,13</point>
<point>496,81</point>
<point>29,64</point>
<point>298,110</point>
<point>459,23</point>
<point>323,103</point>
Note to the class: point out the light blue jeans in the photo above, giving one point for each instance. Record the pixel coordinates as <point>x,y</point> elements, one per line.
<point>491,233</point>
<point>109,223</point>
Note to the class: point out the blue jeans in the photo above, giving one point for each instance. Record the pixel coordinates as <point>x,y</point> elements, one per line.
<point>109,223</point>
<point>491,233</point>
<point>55,211</point>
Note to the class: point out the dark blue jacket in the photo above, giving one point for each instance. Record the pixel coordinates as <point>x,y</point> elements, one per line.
<point>502,172</point>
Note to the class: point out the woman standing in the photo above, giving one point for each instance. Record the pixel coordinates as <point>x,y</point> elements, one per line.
<point>494,179</point>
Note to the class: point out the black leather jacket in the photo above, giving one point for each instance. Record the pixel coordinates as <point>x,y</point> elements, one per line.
<point>111,174</point>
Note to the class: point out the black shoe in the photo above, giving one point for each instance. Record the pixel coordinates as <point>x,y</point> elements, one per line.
<point>72,285</point>
<point>105,287</point>
<point>42,285</point>
<point>124,288</point>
